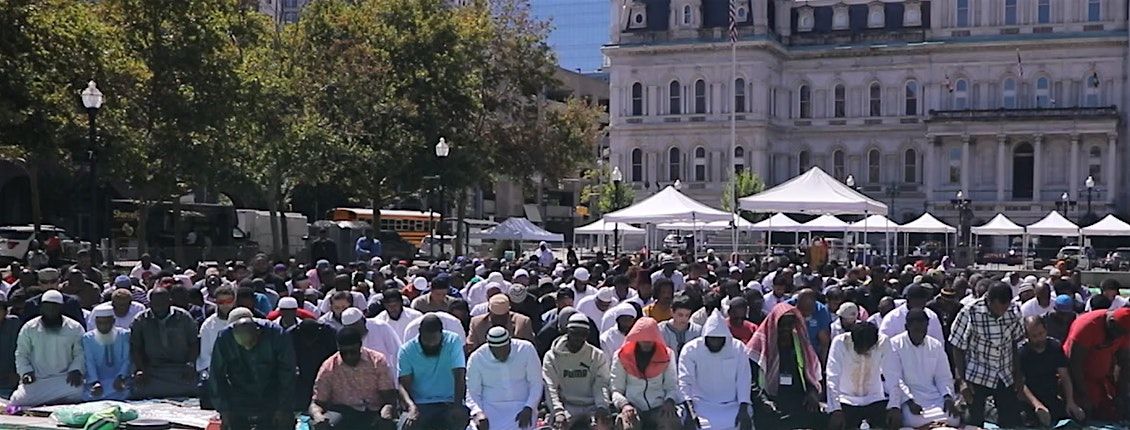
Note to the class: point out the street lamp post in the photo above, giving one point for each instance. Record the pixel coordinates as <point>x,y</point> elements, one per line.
<point>92,101</point>
<point>1066,202</point>
<point>1090,183</point>
<point>964,216</point>
<point>617,177</point>
<point>850,181</point>
<point>442,150</point>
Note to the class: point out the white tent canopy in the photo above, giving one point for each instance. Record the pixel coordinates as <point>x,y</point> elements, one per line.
<point>825,223</point>
<point>602,227</point>
<point>668,205</point>
<point>813,192</point>
<point>1108,226</point>
<point>874,224</point>
<point>1000,225</point>
<point>521,229</point>
<point>926,224</point>
<point>1053,224</point>
<point>707,226</point>
<point>778,222</point>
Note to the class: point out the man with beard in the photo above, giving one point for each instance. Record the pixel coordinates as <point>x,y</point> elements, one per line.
<point>1048,389</point>
<point>916,298</point>
<point>396,314</point>
<point>343,284</point>
<point>622,317</point>
<point>504,382</point>
<point>88,293</point>
<point>714,378</point>
<point>224,298</point>
<point>125,309</point>
<point>252,376</point>
<point>375,335</point>
<point>354,389</point>
<point>855,381</point>
<point>983,339</point>
<point>49,357</point>
<point>164,345</point>
<point>289,314</point>
<point>499,314</point>
<point>433,370</point>
<point>576,376</point>
<point>106,350</point>
<point>945,305</point>
<point>787,369</point>
<point>313,344</point>
<point>49,281</point>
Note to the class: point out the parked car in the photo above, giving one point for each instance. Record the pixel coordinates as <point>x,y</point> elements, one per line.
<point>674,242</point>
<point>439,246</point>
<point>1081,256</point>
<point>16,239</point>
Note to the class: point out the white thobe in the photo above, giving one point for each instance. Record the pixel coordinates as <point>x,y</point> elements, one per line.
<point>854,379</point>
<point>588,307</point>
<point>608,320</point>
<point>1032,308</point>
<point>209,332</point>
<point>407,315</point>
<point>676,278</point>
<point>580,295</point>
<point>611,341</point>
<point>502,389</point>
<point>382,338</point>
<point>895,322</point>
<point>921,373</point>
<point>717,383</point>
<point>50,355</point>
<point>771,301</point>
<point>359,302</point>
<point>450,323</point>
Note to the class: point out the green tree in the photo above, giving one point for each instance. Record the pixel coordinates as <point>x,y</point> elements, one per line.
<point>49,49</point>
<point>748,184</point>
<point>606,195</point>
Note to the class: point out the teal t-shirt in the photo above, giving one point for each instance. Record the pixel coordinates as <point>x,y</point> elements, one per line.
<point>432,381</point>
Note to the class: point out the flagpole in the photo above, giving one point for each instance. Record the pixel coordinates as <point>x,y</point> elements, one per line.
<point>733,116</point>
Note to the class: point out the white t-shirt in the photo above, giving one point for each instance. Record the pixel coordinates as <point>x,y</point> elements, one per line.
<point>1032,308</point>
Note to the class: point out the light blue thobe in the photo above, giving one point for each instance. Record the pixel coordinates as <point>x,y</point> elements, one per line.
<point>105,363</point>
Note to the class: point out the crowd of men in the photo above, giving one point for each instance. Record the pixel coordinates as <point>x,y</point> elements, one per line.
<point>636,342</point>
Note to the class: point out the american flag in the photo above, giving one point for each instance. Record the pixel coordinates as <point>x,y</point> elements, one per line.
<point>733,21</point>
<point>1019,64</point>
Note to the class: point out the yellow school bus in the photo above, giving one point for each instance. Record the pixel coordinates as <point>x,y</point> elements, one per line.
<point>411,225</point>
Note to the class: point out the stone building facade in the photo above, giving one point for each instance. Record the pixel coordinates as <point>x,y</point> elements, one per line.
<point>1013,102</point>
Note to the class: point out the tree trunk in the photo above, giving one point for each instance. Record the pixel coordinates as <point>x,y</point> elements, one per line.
<point>284,230</point>
<point>273,209</point>
<point>36,209</point>
<point>178,232</point>
<point>142,231</point>
<point>460,231</point>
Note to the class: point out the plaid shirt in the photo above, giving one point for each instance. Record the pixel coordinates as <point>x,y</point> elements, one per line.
<point>989,342</point>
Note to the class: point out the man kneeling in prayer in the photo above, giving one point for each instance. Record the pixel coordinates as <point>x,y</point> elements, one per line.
<point>49,357</point>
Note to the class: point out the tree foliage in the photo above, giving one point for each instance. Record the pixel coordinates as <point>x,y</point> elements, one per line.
<point>748,184</point>
<point>607,195</point>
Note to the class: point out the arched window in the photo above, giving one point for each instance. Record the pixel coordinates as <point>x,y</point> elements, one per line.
<point>955,165</point>
<point>874,163</point>
<point>875,99</point>
<point>1009,12</point>
<point>910,166</point>
<point>1095,164</point>
<point>962,13</point>
<point>739,159</point>
<point>1008,94</point>
<point>673,164</point>
<point>805,95</point>
<point>1091,90</point>
<point>911,98</point>
<point>637,99</point>
<point>637,165</point>
<point>700,164</point>
<point>1094,10</point>
<point>687,16</point>
<point>961,94</point>
<point>804,162</point>
<point>838,165</point>
<point>1043,93</point>
<point>675,99</point>
<point>739,95</point>
<point>839,101</point>
<point>1044,11</point>
<point>700,96</point>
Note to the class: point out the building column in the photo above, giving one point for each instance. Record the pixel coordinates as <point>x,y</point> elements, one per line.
<point>1112,167</point>
<point>1037,166</point>
<point>1001,141</point>
<point>930,166</point>
<point>1073,180</point>
<point>965,138</point>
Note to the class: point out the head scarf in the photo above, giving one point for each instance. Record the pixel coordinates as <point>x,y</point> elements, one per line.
<point>646,329</point>
<point>763,349</point>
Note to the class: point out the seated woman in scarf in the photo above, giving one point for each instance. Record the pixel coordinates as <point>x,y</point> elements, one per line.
<point>645,382</point>
<point>786,372</point>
